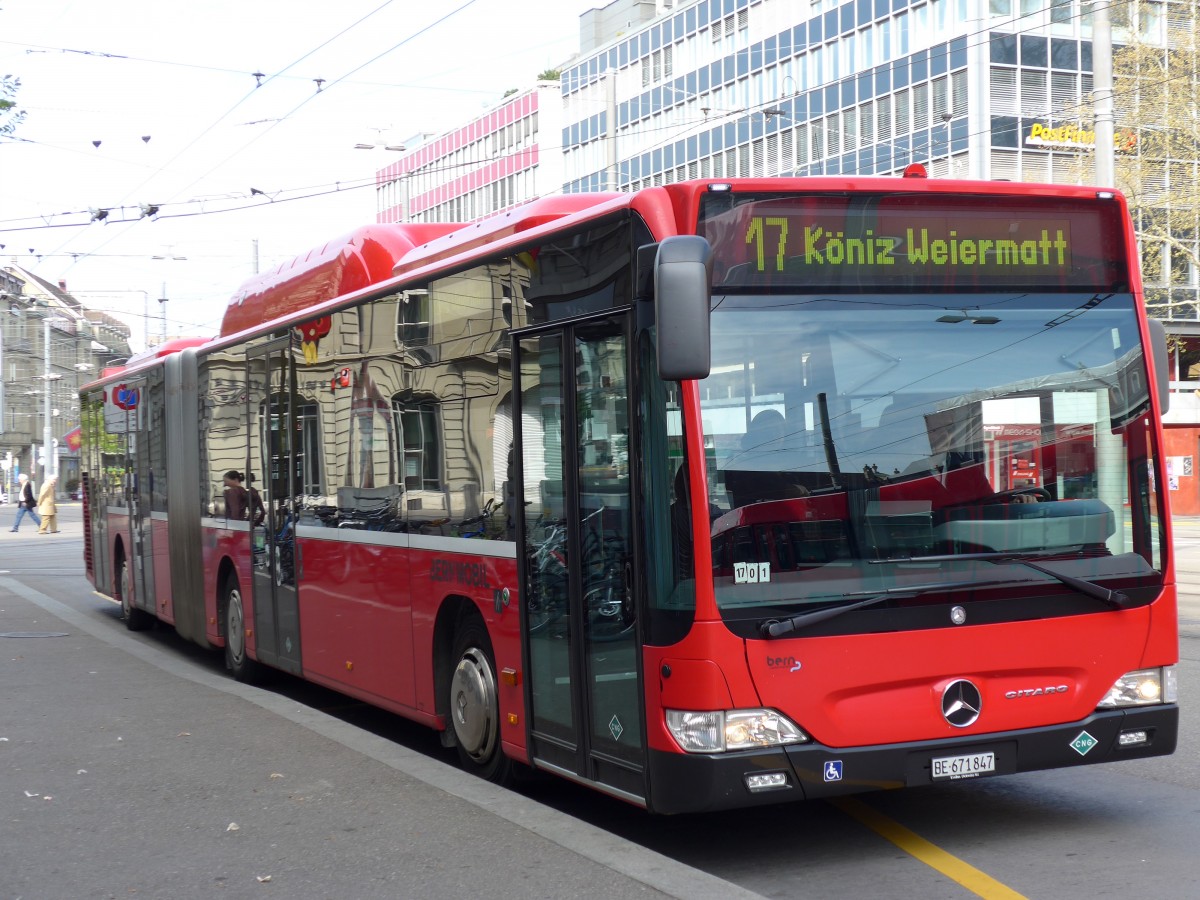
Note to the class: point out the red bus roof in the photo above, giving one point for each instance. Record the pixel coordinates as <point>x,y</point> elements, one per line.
<point>166,348</point>
<point>374,253</point>
<point>341,266</point>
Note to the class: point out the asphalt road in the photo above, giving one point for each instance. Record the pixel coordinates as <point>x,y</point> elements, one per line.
<point>130,758</point>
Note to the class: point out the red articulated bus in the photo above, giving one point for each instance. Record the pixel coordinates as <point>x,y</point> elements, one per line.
<point>712,495</point>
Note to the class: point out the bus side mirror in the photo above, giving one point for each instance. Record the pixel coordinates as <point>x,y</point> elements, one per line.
<point>682,279</point>
<point>1162,363</point>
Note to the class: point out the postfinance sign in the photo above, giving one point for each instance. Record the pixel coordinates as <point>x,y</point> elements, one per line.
<point>1073,137</point>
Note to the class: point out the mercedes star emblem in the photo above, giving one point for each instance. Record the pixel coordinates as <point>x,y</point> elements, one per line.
<point>961,702</point>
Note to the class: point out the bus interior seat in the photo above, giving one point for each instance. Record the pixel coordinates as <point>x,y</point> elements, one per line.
<point>903,437</point>
<point>760,478</point>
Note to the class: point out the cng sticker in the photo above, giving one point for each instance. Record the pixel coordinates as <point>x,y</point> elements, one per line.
<point>1083,743</point>
<point>615,728</point>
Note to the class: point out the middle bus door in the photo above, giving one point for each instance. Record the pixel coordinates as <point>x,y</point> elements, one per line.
<point>579,588</point>
<point>270,477</point>
<point>137,494</point>
<point>149,415</point>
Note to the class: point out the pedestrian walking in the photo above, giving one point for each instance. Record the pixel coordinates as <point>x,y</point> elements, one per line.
<point>25,503</point>
<point>48,507</point>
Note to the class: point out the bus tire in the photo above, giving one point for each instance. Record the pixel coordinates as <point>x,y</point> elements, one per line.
<point>135,619</point>
<point>474,707</point>
<point>237,661</point>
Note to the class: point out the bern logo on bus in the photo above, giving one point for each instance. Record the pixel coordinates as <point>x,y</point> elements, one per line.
<point>125,397</point>
<point>784,662</point>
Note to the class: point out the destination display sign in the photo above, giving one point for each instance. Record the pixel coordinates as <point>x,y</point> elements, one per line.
<point>914,241</point>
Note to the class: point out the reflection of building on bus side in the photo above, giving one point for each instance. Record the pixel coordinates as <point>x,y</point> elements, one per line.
<point>407,398</point>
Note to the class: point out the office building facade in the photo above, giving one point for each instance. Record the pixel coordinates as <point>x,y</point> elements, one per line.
<point>50,344</point>
<point>499,159</point>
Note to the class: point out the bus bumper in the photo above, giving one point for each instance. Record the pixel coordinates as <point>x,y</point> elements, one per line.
<point>683,783</point>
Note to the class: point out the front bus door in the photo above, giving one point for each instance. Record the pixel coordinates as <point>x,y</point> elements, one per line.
<point>270,473</point>
<point>580,583</point>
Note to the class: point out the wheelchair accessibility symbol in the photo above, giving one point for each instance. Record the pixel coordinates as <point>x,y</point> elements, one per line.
<point>833,770</point>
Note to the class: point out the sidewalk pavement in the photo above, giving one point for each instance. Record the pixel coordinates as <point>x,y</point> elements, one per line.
<point>128,769</point>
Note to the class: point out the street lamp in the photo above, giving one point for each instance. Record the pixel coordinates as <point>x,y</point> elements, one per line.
<point>403,179</point>
<point>3,299</point>
<point>50,468</point>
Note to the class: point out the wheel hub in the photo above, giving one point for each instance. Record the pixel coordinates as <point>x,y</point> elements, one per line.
<point>474,704</point>
<point>236,632</point>
<point>126,589</point>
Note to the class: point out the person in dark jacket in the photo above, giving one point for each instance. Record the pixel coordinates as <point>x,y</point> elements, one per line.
<point>26,503</point>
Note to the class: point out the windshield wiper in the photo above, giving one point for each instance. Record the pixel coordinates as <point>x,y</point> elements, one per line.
<point>779,627</point>
<point>1113,599</point>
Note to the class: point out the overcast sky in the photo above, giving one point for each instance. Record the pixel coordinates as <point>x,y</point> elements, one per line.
<point>182,75</point>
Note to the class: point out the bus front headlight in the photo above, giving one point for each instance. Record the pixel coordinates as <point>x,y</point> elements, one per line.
<point>721,731</point>
<point>1142,687</point>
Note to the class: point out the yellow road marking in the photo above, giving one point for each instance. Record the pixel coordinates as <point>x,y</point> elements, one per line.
<point>975,881</point>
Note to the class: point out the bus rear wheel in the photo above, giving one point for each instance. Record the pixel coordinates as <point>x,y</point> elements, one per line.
<point>474,708</point>
<point>135,619</point>
<point>243,668</point>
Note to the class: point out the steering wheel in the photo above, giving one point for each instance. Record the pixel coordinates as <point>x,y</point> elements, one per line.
<point>1043,495</point>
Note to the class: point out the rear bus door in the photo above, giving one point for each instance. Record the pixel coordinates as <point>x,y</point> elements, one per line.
<point>578,589</point>
<point>270,470</point>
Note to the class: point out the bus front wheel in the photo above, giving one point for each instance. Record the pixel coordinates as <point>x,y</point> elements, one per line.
<point>474,708</point>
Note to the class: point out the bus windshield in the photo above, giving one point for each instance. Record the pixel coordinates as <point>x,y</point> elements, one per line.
<point>862,443</point>
<point>869,442</point>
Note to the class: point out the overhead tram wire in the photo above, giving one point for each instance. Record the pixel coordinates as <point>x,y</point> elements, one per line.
<point>229,112</point>
<point>325,87</point>
<point>328,85</point>
<point>677,128</point>
<point>268,80</point>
